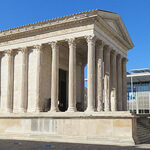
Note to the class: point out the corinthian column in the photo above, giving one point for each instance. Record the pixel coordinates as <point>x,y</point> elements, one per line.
<point>72,76</point>
<point>119,86</point>
<point>9,100</point>
<point>107,79</point>
<point>113,82</point>
<point>55,76</point>
<point>38,78</point>
<point>24,88</point>
<point>124,86</point>
<point>91,74</point>
<point>99,76</point>
<point>82,86</point>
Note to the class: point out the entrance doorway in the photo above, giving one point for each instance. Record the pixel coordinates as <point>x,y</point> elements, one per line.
<point>62,90</point>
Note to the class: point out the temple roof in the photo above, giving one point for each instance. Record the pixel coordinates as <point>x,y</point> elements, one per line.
<point>54,19</point>
<point>110,20</point>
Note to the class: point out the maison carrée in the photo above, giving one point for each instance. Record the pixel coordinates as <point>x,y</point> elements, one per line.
<point>42,80</point>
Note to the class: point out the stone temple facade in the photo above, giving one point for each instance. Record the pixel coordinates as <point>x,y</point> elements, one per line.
<point>42,80</point>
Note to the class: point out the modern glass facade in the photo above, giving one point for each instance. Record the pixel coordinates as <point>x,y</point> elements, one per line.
<point>138,97</point>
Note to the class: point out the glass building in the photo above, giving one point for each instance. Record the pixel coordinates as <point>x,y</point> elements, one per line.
<point>138,91</point>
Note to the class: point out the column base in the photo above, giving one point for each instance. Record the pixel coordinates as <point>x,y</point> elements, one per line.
<point>37,110</point>
<point>106,110</point>
<point>106,107</point>
<point>71,109</point>
<point>99,109</point>
<point>90,109</point>
<point>7,110</point>
<point>54,110</point>
<point>113,110</point>
<point>20,110</point>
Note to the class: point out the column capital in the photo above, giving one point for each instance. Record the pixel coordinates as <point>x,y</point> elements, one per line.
<point>109,48</point>
<point>119,56</point>
<point>8,52</point>
<point>23,49</point>
<point>125,60</point>
<point>53,44</point>
<point>100,45</point>
<point>91,38</point>
<point>37,47</point>
<point>114,53</point>
<point>71,42</point>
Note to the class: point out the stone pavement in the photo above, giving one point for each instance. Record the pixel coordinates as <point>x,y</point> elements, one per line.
<point>31,145</point>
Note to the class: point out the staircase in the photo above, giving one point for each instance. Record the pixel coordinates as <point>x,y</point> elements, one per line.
<point>143,132</point>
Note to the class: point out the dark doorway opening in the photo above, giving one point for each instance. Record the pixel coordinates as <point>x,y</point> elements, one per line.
<point>62,90</point>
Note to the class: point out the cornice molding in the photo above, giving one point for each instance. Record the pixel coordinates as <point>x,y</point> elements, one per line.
<point>48,28</point>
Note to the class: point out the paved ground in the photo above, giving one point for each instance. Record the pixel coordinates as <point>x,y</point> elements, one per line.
<point>29,145</point>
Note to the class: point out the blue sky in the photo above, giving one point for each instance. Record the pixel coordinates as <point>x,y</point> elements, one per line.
<point>135,14</point>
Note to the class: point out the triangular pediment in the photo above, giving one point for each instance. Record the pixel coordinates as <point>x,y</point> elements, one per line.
<point>115,22</point>
<point>116,27</point>
<point>113,25</point>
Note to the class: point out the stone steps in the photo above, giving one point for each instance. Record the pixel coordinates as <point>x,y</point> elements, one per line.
<point>143,133</point>
<point>144,139</point>
<point>139,130</point>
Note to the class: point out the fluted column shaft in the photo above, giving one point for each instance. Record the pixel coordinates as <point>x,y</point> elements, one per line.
<point>99,76</point>
<point>107,79</point>
<point>82,86</point>
<point>91,73</point>
<point>119,89</point>
<point>24,82</point>
<point>38,77</point>
<point>9,100</point>
<point>124,84</point>
<point>113,82</point>
<point>72,76</point>
<point>55,76</point>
